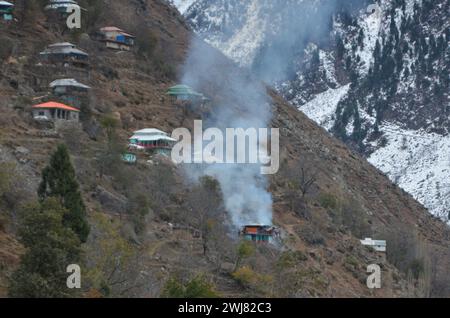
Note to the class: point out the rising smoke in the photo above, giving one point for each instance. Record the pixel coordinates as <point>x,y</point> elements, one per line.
<point>240,101</point>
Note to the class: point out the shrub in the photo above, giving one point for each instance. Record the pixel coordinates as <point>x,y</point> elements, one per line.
<point>246,276</point>
<point>355,219</point>
<point>244,250</point>
<point>310,236</point>
<point>11,189</point>
<point>417,267</point>
<point>3,223</point>
<point>328,201</point>
<point>146,42</point>
<point>50,248</point>
<point>291,259</point>
<point>197,287</point>
<point>6,48</point>
<point>6,177</point>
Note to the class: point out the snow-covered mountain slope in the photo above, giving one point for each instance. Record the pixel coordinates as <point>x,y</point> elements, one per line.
<point>370,72</point>
<point>420,163</point>
<point>234,27</point>
<point>323,107</point>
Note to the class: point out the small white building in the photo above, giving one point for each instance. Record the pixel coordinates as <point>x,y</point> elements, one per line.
<point>61,5</point>
<point>377,245</point>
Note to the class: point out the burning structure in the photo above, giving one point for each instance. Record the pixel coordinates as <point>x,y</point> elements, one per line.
<point>259,233</point>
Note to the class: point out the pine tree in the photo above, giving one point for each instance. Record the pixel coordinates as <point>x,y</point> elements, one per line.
<point>51,247</point>
<point>361,38</point>
<point>340,48</point>
<point>58,180</point>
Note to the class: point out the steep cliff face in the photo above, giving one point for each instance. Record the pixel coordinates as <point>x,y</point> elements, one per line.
<point>319,253</point>
<point>375,75</point>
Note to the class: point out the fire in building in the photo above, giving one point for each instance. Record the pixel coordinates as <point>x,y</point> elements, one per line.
<point>116,39</point>
<point>152,140</point>
<point>259,233</point>
<point>53,111</point>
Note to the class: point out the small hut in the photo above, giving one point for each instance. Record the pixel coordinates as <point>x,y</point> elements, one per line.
<point>65,54</point>
<point>61,5</point>
<point>258,233</point>
<point>152,140</point>
<point>6,10</point>
<point>129,158</point>
<point>377,245</point>
<point>116,39</point>
<point>53,111</point>
<point>185,93</point>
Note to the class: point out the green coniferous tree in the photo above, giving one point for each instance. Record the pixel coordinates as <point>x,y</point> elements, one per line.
<point>58,180</point>
<point>51,247</point>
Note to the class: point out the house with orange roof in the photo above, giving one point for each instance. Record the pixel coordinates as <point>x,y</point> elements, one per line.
<point>53,111</point>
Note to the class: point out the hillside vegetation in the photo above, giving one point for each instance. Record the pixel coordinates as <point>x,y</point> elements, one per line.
<point>155,233</point>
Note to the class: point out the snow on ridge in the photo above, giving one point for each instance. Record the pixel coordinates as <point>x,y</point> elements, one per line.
<point>182,5</point>
<point>371,26</point>
<point>323,107</point>
<point>419,162</point>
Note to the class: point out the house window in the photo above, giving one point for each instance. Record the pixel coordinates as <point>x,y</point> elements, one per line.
<point>41,113</point>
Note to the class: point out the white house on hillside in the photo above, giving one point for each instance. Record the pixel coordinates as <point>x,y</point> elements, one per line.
<point>377,245</point>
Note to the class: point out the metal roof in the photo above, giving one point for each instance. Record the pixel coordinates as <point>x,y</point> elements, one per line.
<point>61,44</point>
<point>63,48</point>
<point>56,105</point>
<point>68,82</point>
<point>150,131</point>
<point>116,29</point>
<point>152,138</point>
<point>369,241</point>
<point>182,90</point>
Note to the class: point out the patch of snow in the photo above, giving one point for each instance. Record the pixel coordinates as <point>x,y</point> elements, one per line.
<point>371,26</point>
<point>328,66</point>
<point>323,107</point>
<point>419,162</point>
<point>182,5</point>
<point>244,44</point>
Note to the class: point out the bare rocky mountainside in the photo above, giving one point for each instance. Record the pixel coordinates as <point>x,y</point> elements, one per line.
<point>162,230</point>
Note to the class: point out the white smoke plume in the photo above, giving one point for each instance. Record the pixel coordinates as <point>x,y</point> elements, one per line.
<point>240,101</point>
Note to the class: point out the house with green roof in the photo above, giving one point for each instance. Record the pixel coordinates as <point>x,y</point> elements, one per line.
<point>184,93</point>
